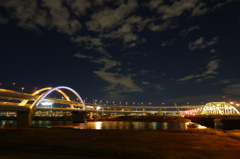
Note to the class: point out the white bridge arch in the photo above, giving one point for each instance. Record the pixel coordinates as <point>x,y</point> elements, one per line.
<point>219,108</point>
<point>58,89</point>
<point>214,108</point>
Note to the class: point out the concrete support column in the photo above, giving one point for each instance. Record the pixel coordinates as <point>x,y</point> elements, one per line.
<point>90,115</point>
<point>24,118</point>
<point>143,111</point>
<point>102,110</point>
<point>79,116</point>
<point>178,111</point>
<point>99,114</point>
<point>160,112</point>
<point>127,114</point>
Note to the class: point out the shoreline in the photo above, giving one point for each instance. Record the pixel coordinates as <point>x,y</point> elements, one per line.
<point>64,142</point>
<point>59,143</point>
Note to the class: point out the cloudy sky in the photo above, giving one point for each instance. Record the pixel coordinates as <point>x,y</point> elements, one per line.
<point>158,51</point>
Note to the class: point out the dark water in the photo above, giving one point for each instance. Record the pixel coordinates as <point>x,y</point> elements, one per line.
<point>107,125</point>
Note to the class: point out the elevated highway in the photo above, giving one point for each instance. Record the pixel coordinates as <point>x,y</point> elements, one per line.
<point>26,105</point>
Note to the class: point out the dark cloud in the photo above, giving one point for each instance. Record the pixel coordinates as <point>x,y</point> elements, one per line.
<point>201,43</point>
<point>209,73</point>
<point>123,40</point>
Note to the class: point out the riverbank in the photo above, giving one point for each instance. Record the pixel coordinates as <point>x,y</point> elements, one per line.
<point>154,118</point>
<point>62,143</point>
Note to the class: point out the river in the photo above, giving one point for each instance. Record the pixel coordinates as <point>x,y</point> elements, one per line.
<point>110,125</point>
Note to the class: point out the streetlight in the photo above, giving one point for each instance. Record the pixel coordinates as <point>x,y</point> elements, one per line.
<point>22,89</point>
<point>13,85</point>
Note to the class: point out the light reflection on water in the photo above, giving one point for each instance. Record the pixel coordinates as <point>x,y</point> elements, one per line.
<point>105,125</point>
<point>122,125</point>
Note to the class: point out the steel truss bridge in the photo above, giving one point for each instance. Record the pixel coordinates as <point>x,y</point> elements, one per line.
<point>26,105</point>
<point>214,108</point>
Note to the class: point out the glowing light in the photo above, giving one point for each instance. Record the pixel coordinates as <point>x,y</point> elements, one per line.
<point>89,107</point>
<point>47,103</point>
<point>202,127</point>
<point>98,125</point>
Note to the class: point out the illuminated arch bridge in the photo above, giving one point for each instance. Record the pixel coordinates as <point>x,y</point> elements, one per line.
<point>41,96</point>
<point>214,108</point>
<point>25,109</point>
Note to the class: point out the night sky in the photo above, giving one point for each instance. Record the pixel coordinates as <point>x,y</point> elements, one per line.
<point>157,51</point>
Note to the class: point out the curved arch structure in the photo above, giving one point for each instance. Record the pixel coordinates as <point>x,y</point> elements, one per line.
<point>219,108</point>
<point>58,89</point>
<point>41,90</point>
<point>33,94</point>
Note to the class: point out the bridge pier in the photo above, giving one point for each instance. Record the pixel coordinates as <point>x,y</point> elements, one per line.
<point>79,116</point>
<point>160,112</point>
<point>127,114</point>
<point>144,111</point>
<point>24,118</point>
<point>90,115</point>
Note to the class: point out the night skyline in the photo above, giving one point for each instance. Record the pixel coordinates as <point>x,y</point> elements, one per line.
<point>149,51</point>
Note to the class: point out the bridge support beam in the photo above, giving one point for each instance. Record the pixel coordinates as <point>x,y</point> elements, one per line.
<point>79,116</point>
<point>24,118</point>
